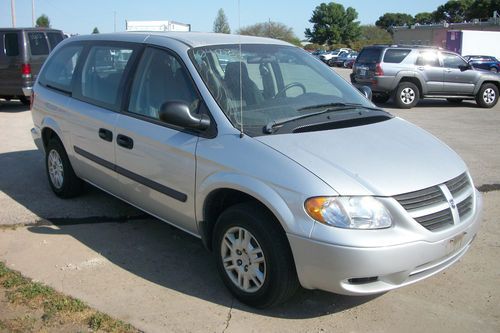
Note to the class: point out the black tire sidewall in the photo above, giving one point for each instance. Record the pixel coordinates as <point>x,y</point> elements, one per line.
<point>397,95</point>
<point>71,185</point>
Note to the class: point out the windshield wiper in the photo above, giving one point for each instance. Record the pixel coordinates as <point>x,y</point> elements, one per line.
<point>330,107</point>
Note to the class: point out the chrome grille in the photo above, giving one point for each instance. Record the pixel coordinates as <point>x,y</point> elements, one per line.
<point>423,198</point>
<point>430,206</point>
<point>436,220</point>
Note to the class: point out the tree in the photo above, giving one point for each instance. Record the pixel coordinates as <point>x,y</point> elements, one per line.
<point>272,30</point>
<point>95,31</point>
<point>333,25</point>
<point>424,18</point>
<point>389,20</point>
<point>370,35</point>
<point>453,11</point>
<point>43,21</point>
<point>220,23</point>
<point>482,9</point>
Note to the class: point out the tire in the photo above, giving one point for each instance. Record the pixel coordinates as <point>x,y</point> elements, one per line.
<point>407,95</point>
<point>60,173</point>
<point>25,100</point>
<point>455,100</point>
<point>274,279</point>
<point>494,69</point>
<point>487,96</point>
<point>330,63</point>
<point>380,98</point>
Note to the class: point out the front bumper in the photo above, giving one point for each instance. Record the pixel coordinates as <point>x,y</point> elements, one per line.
<point>370,270</point>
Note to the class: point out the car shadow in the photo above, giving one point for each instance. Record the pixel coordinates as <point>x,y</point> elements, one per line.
<point>139,243</point>
<point>432,103</point>
<point>12,106</point>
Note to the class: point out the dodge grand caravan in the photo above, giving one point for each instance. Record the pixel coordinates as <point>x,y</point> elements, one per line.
<point>287,173</point>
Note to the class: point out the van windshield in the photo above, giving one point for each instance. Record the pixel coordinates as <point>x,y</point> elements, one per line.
<point>268,84</point>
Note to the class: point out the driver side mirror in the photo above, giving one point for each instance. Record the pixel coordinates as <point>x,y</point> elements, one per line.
<point>463,68</point>
<point>365,90</point>
<point>178,114</point>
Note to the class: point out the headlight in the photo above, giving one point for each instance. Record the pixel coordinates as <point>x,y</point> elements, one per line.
<point>349,212</point>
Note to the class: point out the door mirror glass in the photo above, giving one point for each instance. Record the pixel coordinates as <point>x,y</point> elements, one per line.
<point>178,114</point>
<point>366,91</point>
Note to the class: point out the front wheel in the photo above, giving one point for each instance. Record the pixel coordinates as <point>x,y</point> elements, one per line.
<point>253,256</point>
<point>60,173</point>
<point>487,96</point>
<point>407,95</point>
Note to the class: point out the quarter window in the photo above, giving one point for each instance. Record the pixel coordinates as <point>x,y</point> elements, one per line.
<point>59,71</point>
<point>38,43</point>
<point>395,56</point>
<point>102,74</point>
<point>11,44</point>
<point>428,59</point>
<point>160,78</point>
<point>54,39</point>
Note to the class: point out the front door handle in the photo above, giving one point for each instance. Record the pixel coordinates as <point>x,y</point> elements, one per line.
<point>125,141</point>
<point>105,134</point>
<point>448,70</point>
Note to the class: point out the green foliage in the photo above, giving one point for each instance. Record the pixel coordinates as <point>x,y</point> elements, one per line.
<point>482,9</point>
<point>388,20</point>
<point>271,29</point>
<point>43,21</point>
<point>424,18</point>
<point>333,24</point>
<point>453,11</point>
<point>314,47</point>
<point>95,31</point>
<point>370,35</point>
<point>220,24</point>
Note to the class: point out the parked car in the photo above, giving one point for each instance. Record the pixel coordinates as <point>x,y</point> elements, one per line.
<point>318,53</point>
<point>409,74</point>
<point>484,62</point>
<point>284,170</point>
<point>328,57</point>
<point>343,59</point>
<point>349,63</point>
<point>22,53</point>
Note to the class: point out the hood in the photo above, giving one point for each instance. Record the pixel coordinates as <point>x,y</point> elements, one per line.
<point>387,158</point>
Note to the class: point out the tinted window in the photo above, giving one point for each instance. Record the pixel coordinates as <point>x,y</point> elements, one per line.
<point>38,43</point>
<point>11,44</point>
<point>395,56</point>
<point>102,73</point>
<point>59,71</point>
<point>428,58</point>
<point>452,61</point>
<point>160,78</point>
<point>369,55</point>
<point>54,39</point>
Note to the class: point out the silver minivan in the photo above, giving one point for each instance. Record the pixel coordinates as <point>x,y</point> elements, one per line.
<point>285,171</point>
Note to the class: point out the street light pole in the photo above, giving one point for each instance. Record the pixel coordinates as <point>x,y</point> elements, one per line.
<point>114,13</point>
<point>13,12</point>
<point>33,13</point>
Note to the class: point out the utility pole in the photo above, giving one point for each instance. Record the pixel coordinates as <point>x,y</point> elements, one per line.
<point>33,13</point>
<point>13,12</point>
<point>114,12</point>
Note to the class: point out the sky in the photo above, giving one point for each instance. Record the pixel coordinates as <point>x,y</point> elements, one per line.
<point>81,16</point>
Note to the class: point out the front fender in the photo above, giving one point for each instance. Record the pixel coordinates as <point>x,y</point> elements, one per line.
<point>274,198</point>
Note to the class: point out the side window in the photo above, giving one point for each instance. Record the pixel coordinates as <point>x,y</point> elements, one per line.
<point>428,58</point>
<point>59,70</point>
<point>160,78</point>
<point>11,44</point>
<point>102,74</point>
<point>38,43</point>
<point>54,39</point>
<point>395,56</point>
<point>451,60</point>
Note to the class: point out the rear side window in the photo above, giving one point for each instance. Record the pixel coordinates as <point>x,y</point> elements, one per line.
<point>428,58</point>
<point>54,39</point>
<point>11,44</point>
<point>102,74</point>
<point>38,43</point>
<point>369,55</point>
<point>395,56</point>
<point>58,72</point>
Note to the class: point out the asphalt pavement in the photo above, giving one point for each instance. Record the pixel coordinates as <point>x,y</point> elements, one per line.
<point>133,267</point>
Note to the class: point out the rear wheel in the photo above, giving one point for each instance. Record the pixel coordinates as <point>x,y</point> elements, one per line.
<point>407,95</point>
<point>455,100</point>
<point>487,96</point>
<point>253,256</point>
<point>494,69</point>
<point>60,173</point>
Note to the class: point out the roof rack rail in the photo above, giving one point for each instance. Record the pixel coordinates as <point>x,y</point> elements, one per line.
<point>410,46</point>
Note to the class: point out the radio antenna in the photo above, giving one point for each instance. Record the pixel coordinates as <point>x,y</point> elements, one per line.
<point>241,65</point>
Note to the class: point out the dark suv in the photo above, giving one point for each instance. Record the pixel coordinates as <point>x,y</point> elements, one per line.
<point>409,73</point>
<point>22,53</point>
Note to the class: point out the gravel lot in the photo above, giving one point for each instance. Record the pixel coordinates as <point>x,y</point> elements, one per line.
<point>127,264</point>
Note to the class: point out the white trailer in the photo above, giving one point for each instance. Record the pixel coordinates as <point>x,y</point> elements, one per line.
<point>474,42</point>
<point>156,26</point>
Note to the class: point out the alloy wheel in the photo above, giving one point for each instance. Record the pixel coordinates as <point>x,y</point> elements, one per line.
<point>56,171</point>
<point>407,95</point>
<point>489,96</point>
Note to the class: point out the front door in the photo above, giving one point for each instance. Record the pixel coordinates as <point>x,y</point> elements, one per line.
<point>457,79</point>
<point>156,162</point>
